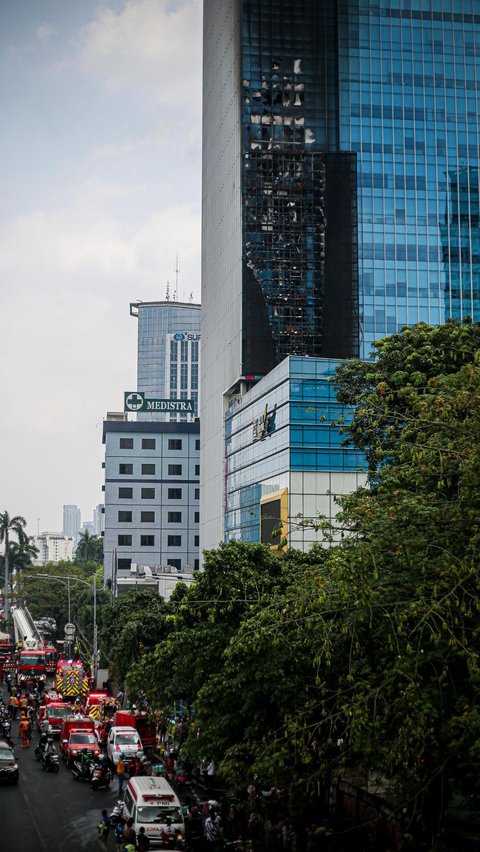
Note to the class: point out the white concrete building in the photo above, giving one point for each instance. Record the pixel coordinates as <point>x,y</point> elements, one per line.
<point>53,547</point>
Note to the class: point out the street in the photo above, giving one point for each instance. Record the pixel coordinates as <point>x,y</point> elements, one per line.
<point>50,812</point>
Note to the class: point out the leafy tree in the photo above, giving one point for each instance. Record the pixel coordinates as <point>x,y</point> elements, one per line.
<point>20,555</point>
<point>10,525</point>
<point>131,627</point>
<point>89,548</point>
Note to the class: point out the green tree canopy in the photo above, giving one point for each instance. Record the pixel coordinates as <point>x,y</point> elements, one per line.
<point>89,548</point>
<point>131,627</point>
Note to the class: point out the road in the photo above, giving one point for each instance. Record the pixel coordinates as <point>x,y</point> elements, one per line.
<point>50,812</point>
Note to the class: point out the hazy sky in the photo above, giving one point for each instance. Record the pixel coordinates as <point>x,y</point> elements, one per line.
<point>100,187</point>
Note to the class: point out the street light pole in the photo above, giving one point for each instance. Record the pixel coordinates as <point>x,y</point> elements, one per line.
<point>93,588</point>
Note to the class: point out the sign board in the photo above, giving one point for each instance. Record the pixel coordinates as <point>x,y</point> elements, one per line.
<point>137,401</point>
<point>263,425</point>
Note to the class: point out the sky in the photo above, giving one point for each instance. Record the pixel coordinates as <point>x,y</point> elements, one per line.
<point>100,142</point>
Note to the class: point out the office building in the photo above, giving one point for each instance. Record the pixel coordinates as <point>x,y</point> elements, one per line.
<point>72,520</point>
<point>284,459</point>
<point>152,493</point>
<point>168,355</point>
<point>340,188</point>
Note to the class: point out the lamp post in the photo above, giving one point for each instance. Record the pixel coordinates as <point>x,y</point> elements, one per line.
<point>93,588</point>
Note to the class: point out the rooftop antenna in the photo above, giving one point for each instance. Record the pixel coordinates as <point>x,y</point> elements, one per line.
<point>167,293</point>
<point>176,276</point>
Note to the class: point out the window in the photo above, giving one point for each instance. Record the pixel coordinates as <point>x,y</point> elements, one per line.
<point>147,517</point>
<point>147,493</point>
<point>196,564</point>
<point>197,470</point>
<point>174,517</point>
<point>125,468</point>
<point>196,541</point>
<point>125,540</point>
<point>174,540</point>
<point>125,517</point>
<point>124,564</point>
<point>126,493</point>
<point>175,563</point>
<point>148,443</point>
<point>148,470</point>
<point>147,541</point>
<point>174,469</point>
<point>174,493</point>
<point>197,493</point>
<point>174,444</point>
<point>126,443</point>
<point>197,517</point>
<point>197,443</point>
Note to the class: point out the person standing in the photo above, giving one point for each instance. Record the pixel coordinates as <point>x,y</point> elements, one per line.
<point>120,773</point>
<point>129,835</point>
<point>24,731</point>
<point>103,829</point>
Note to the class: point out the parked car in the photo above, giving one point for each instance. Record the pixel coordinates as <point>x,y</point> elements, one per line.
<point>8,764</point>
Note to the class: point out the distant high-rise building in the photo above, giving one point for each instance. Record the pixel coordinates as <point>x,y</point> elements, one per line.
<point>72,520</point>
<point>340,187</point>
<point>98,519</point>
<point>168,354</point>
<point>53,547</point>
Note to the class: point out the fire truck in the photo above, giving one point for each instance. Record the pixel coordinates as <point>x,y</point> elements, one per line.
<point>30,663</point>
<point>70,679</point>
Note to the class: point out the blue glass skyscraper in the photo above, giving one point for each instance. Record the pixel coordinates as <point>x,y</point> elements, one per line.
<point>340,186</point>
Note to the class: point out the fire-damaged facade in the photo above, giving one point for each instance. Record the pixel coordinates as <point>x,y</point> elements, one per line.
<point>279,242</point>
<point>299,200</point>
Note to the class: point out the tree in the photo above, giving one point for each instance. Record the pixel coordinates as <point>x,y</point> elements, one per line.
<point>89,548</point>
<point>8,525</point>
<point>20,555</point>
<point>132,626</point>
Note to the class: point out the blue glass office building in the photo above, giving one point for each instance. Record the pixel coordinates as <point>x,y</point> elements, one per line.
<point>341,193</point>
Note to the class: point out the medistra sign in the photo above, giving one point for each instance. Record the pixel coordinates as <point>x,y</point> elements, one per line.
<point>137,401</point>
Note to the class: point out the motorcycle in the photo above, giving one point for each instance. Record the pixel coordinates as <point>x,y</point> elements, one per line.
<point>6,730</point>
<point>100,774</point>
<point>117,812</point>
<point>49,761</point>
<point>80,769</point>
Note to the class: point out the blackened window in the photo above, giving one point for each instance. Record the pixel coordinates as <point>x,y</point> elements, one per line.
<point>126,493</point>
<point>174,540</point>
<point>148,469</point>
<point>125,540</point>
<point>197,470</point>
<point>148,443</point>
<point>147,540</point>
<point>125,517</point>
<point>174,469</point>
<point>174,444</point>
<point>196,540</point>
<point>147,517</point>
<point>125,468</point>
<point>175,563</point>
<point>197,444</point>
<point>124,564</point>
<point>147,493</point>
<point>174,517</point>
<point>174,493</point>
<point>126,443</point>
<point>196,564</point>
<point>197,493</point>
<point>197,517</point>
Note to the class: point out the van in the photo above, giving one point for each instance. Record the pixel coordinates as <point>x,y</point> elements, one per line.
<point>123,740</point>
<point>149,801</point>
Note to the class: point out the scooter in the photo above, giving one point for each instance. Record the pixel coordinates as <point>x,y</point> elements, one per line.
<point>49,761</point>
<point>100,774</point>
<point>117,812</point>
<point>80,770</point>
